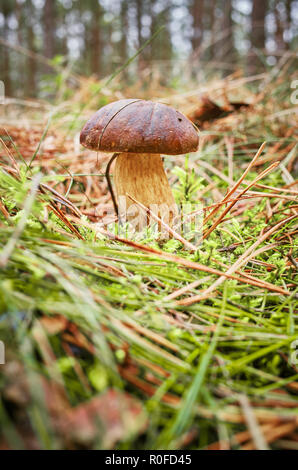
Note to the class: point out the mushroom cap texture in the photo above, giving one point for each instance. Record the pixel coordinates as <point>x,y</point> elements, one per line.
<point>139,126</point>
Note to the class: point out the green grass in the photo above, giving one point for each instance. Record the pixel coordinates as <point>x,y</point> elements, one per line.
<point>43,278</point>
<point>83,313</point>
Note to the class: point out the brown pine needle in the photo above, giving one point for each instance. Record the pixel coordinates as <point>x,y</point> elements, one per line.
<point>4,210</point>
<point>10,155</point>
<point>236,185</point>
<point>65,220</point>
<point>229,207</point>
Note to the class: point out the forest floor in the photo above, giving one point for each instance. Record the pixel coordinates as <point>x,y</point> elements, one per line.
<point>130,343</point>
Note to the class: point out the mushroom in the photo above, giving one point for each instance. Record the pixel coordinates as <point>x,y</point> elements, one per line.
<point>138,132</point>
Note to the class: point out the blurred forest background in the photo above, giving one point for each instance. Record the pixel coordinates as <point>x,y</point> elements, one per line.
<point>90,37</point>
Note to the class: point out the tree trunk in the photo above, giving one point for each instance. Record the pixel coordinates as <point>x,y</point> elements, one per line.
<point>96,40</point>
<point>124,30</point>
<point>281,45</point>
<point>197,11</point>
<point>6,52</point>
<point>258,34</point>
<point>212,28</point>
<point>288,18</point>
<point>228,49</point>
<point>30,83</point>
<point>49,28</point>
<point>161,46</point>
<point>289,13</point>
<point>144,55</point>
<point>139,11</point>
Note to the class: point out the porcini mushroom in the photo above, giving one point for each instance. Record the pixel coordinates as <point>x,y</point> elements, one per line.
<point>138,132</point>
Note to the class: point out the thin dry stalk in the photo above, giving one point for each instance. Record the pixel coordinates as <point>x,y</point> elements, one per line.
<point>10,155</point>
<point>229,207</point>
<point>4,210</point>
<point>236,185</point>
<point>230,149</point>
<point>274,433</point>
<point>258,437</point>
<point>186,288</point>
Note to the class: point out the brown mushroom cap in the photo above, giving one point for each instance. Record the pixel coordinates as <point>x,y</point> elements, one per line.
<point>139,126</point>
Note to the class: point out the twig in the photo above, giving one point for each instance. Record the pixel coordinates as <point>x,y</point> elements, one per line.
<point>229,207</point>
<point>252,423</point>
<point>236,185</point>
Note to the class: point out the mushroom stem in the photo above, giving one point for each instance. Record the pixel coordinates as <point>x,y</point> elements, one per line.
<point>142,176</point>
